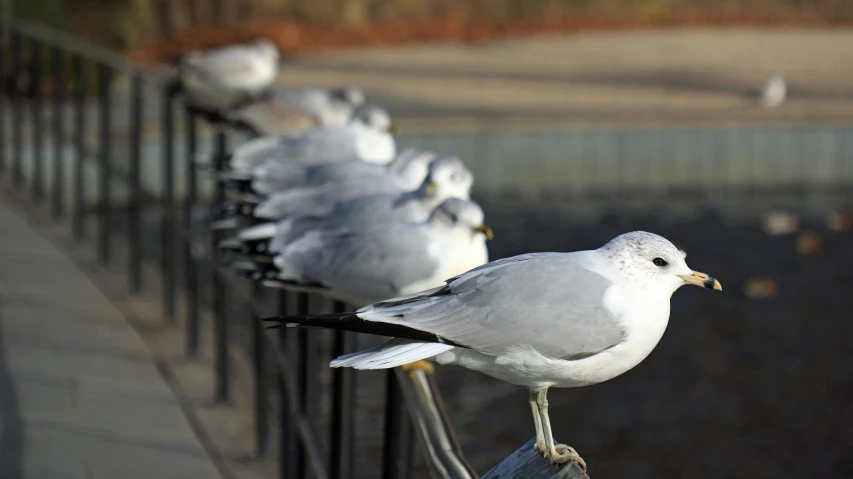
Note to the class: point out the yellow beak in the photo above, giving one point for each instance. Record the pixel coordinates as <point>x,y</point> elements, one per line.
<point>701,279</point>
<point>431,187</point>
<point>394,129</point>
<point>482,228</point>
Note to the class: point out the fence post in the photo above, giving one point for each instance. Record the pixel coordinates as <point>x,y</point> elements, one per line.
<point>291,461</point>
<point>79,103</point>
<point>167,266</point>
<point>343,405</point>
<point>104,166</point>
<point>36,119</point>
<point>259,361</point>
<point>397,449</point>
<point>5,93</point>
<point>134,229</point>
<point>57,201</point>
<point>191,280</point>
<point>219,289</point>
<point>16,44</point>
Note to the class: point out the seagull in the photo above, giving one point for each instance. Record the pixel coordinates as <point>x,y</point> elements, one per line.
<point>320,200</point>
<point>291,111</point>
<point>219,79</point>
<point>774,92</point>
<point>276,176</point>
<point>366,137</point>
<point>447,178</point>
<point>367,265</point>
<point>538,320</point>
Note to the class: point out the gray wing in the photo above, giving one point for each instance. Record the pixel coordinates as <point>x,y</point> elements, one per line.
<point>326,173</point>
<point>549,301</point>
<point>370,264</point>
<point>269,117</point>
<point>320,200</point>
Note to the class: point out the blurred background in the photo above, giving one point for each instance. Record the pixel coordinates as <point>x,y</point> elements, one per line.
<point>581,120</point>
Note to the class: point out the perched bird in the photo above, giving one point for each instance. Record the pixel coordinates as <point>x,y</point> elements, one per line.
<point>222,78</point>
<point>366,137</point>
<point>538,320</point>
<point>774,92</point>
<point>251,209</point>
<point>292,111</point>
<point>320,200</point>
<point>367,265</point>
<point>276,176</point>
<point>445,180</point>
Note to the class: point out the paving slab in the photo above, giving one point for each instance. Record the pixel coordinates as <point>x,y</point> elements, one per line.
<point>80,395</point>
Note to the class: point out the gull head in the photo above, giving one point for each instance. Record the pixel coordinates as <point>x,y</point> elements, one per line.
<point>266,48</point>
<point>412,166</point>
<point>648,259</point>
<point>373,116</point>
<point>350,95</point>
<point>447,177</point>
<point>461,215</point>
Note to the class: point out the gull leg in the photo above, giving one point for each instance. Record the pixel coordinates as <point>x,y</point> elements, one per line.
<point>422,365</point>
<point>557,453</point>
<point>537,422</point>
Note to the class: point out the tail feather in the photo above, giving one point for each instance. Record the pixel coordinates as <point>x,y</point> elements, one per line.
<point>352,322</point>
<point>396,352</point>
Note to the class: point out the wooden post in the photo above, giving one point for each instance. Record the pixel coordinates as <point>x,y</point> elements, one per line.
<point>528,463</point>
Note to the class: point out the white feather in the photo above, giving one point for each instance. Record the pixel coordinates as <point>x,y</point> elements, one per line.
<point>396,352</point>
<point>261,231</point>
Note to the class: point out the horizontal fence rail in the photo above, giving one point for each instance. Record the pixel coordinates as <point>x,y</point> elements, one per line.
<point>54,88</point>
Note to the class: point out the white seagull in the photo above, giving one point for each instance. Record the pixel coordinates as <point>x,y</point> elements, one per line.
<point>366,265</point>
<point>219,79</point>
<point>289,111</point>
<point>774,92</point>
<point>367,137</point>
<point>446,179</point>
<point>538,320</point>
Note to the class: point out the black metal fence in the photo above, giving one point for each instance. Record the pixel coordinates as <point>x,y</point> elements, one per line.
<point>48,80</point>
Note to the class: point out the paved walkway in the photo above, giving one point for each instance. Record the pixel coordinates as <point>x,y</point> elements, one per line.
<point>80,396</point>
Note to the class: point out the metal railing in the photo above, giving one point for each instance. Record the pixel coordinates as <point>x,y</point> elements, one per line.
<point>52,77</point>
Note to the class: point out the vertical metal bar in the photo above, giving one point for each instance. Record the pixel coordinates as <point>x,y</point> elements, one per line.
<point>291,457</point>
<point>104,166</point>
<point>16,44</point>
<point>192,326</point>
<point>134,229</point>
<point>259,356</point>
<point>79,101</point>
<point>57,203</point>
<point>5,93</point>
<point>167,266</point>
<point>306,347</point>
<point>343,406</point>
<point>37,125</point>
<point>396,460</point>
<point>219,290</point>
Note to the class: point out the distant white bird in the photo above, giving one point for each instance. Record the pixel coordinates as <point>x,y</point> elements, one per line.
<point>320,201</point>
<point>366,137</point>
<point>388,260</point>
<point>774,92</point>
<point>275,176</point>
<point>219,79</point>
<point>538,320</point>
<point>445,180</point>
<point>292,111</point>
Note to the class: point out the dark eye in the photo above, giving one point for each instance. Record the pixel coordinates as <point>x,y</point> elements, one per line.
<point>659,262</point>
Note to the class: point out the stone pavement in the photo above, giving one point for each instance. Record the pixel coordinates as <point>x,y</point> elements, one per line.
<point>80,396</point>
